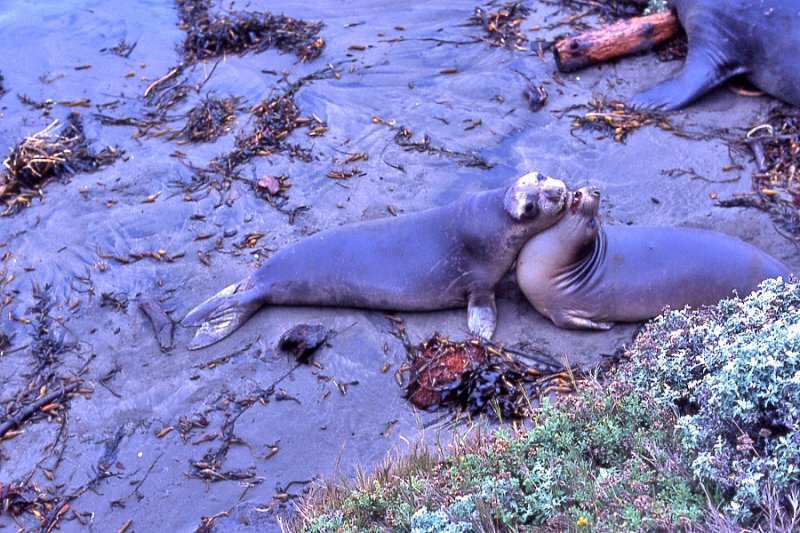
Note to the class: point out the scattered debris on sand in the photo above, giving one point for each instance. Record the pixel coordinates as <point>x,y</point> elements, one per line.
<point>163,325</point>
<point>404,136</point>
<point>775,146</point>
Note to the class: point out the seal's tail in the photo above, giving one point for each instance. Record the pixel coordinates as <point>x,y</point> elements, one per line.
<point>222,314</point>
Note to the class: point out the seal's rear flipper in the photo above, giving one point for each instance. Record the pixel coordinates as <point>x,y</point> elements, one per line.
<point>222,314</point>
<point>700,74</point>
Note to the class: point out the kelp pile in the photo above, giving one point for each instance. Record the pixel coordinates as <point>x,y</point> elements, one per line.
<point>478,377</point>
<point>50,154</point>
<point>775,145</point>
<point>614,119</point>
<point>502,26</point>
<point>209,36</point>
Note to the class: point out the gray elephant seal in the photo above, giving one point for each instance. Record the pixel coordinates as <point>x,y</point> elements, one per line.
<point>756,38</point>
<point>441,258</point>
<point>583,276</point>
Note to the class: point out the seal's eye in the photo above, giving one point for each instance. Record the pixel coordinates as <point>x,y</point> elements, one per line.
<point>528,207</point>
<point>540,177</point>
<point>592,223</point>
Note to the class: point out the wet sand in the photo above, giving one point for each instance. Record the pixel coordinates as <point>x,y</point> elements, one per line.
<point>244,390</point>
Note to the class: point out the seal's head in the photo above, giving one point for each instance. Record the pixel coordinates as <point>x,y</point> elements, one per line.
<point>535,195</point>
<point>581,225</point>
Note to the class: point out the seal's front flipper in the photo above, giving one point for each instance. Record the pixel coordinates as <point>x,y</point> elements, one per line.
<point>482,314</point>
<point>222,314</point>
<point>700,74</point>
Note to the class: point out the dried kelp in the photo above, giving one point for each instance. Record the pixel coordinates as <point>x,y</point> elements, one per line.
<point>503,25</point>
<point>209,36</point>
<point>614,119</point>
<point>480,377</point>
<point>50,154</point>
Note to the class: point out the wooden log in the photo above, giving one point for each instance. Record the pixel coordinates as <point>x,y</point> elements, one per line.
<point>630,36</point>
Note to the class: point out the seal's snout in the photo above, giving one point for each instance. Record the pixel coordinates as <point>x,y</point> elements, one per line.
<point>585,199</point>
<point>556,194</point>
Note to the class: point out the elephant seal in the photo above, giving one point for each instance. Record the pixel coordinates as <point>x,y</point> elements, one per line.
<point>584,276</point>
<point>441,258</point>
<point>756,38</point>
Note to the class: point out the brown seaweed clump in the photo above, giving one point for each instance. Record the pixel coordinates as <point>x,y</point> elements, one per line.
<point>502,26</point>
<point>478,377</point>
<point>209,36</point>
<point>49,154</point>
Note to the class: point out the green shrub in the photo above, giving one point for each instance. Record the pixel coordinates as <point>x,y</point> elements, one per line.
<point>732,372</point>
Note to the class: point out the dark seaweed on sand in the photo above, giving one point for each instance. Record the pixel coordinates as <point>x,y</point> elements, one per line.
<point>209,36</point>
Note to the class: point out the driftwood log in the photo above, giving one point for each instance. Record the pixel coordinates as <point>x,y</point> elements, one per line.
<point>630,36</point>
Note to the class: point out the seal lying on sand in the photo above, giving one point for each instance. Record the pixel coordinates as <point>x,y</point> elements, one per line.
<point>760,39</point>
<point>583,276</point>
<point>442,258</point>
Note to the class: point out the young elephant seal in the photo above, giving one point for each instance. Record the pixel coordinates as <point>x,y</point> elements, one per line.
<point>759,39</point>
<point>441,258</point>
<point>583,276</point>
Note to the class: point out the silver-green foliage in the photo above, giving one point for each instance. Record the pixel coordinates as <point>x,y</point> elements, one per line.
<point>733,374</point>
<point>654,6</point>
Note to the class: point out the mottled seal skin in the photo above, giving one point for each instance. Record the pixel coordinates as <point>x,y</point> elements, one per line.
<point>756,38</point>
<point>452,256</point>
<point>584,276</point>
